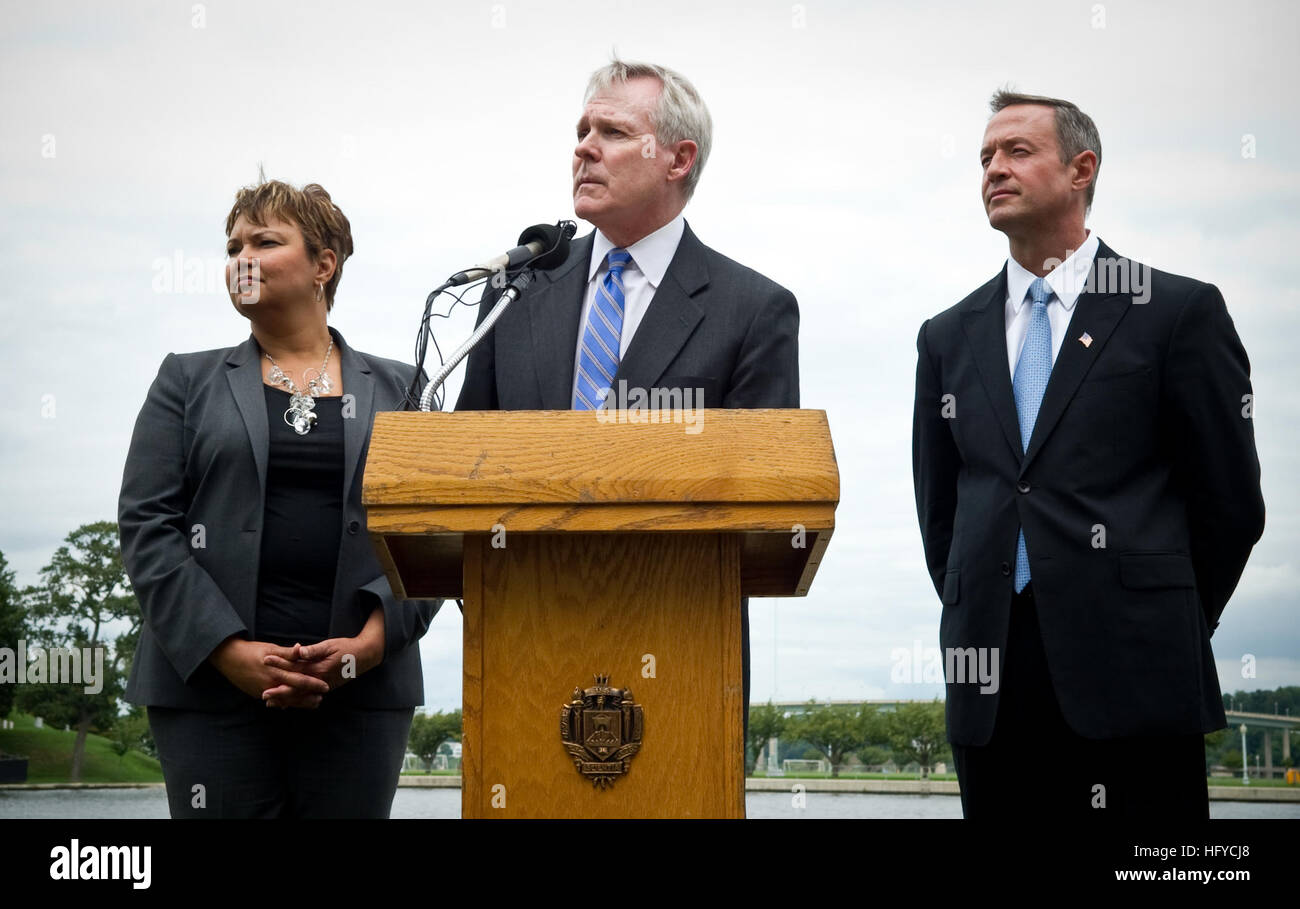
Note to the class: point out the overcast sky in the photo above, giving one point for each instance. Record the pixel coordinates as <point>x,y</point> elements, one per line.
<point>845,166</point>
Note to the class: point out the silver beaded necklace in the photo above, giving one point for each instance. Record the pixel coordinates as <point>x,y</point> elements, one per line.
<point>300,415</point>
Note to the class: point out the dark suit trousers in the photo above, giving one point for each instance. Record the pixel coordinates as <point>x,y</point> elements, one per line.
<point>336,761</point>
<point>1036,767</point>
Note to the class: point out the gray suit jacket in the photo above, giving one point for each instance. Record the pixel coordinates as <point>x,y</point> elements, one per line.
<point>198,457</point>
<point>713,324</point>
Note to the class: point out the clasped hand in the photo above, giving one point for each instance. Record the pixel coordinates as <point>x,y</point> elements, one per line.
<point>300,670</point>
<point>301,675</point>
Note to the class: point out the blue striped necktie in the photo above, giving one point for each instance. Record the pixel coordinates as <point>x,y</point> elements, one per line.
<point>1030,381</point>
<point>598,361</point>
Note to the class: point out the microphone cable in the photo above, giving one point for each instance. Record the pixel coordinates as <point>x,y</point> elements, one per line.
<point>424,334</point>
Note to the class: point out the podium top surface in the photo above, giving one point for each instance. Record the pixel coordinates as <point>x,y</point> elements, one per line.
<point>580,458</point>
<point>769,476</point>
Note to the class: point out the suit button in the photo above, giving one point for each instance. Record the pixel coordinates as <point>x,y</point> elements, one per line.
<point>354,526</point>
<point>1022,487</point>
<point>1006,569</point>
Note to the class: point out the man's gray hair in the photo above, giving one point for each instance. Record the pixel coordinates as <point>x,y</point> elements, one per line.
<point>1075,131</point>
<point>680,114</point>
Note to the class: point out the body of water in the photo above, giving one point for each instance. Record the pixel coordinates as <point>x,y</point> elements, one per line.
<point>445,803</point>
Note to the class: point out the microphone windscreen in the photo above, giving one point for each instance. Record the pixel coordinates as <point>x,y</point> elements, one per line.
<point>555,242</point>
<point>542,233</point>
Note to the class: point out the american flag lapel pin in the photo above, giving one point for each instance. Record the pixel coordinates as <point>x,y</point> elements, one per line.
<point>1085,339</point>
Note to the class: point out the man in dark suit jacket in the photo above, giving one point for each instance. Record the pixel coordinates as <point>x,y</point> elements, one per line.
<point>1088,493</point>
<point>641,300</point>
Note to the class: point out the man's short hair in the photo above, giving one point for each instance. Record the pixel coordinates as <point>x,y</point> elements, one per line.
<point>681,113</point>
<point>1075,131</point>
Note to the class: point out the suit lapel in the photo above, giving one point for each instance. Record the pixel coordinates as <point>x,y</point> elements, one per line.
<point>670,318</point>
<point>554,309</point>
<point>359,400</point>
<point>1097,314</point>
<point>986,330</point>
<point>245,378</point>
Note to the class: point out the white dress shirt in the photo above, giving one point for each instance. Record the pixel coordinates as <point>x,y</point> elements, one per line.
<point>1067,281</point>
<point>642,276</point>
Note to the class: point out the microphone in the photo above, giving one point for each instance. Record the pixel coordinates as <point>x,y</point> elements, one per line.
<point>540,240</point>
<point>553,242</point>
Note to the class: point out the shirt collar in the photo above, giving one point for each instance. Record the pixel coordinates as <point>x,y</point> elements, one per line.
<point>1066,280</point>
<point>652,253</point>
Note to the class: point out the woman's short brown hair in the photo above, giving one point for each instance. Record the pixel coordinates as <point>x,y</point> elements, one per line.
<point>322,223</point>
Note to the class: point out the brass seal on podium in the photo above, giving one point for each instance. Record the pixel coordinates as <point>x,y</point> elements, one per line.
<point>601,730</point>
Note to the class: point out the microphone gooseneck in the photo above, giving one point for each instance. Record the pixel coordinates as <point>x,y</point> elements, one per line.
<point>547,245</point>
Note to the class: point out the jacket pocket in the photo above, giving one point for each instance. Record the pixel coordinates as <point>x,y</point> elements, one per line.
<point>704,391</point>
<point>1117,383</point>
<point>951,587</point>
<point>1153,570</point>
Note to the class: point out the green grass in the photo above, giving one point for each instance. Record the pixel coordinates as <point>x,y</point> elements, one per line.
<point>431,773</point>
<point>810,775</point>
<point>1236,781</point>
<point>49,755</point>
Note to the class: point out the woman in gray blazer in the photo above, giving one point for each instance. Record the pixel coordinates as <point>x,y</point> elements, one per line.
<point>279,671</point>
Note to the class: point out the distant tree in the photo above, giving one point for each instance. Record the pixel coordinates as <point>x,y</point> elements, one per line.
<point>414,738</point>
<point>430,730</point>
<point>875,755</point>
<point>835,730</point>
<point>1232,759</point>
<point>131,731</point>
<point>11,626</point>
<point>800,751</point>
<point>84,591</point>
<point>875,733</point>
<point>918,733</point>
<point>1270,701</point>
<point>124,645</point>
<point>1216,743</point>
<point>766,722</point>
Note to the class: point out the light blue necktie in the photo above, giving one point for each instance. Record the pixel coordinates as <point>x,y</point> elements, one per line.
<point>598,361</point>
<point>1030,381</point>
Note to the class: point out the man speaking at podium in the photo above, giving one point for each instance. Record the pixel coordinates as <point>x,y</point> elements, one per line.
<point>640,303</point>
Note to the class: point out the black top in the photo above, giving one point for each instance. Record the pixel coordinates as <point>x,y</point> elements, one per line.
<point>302,523</point>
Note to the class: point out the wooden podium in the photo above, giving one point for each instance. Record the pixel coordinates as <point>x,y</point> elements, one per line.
<point>589,545</point>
